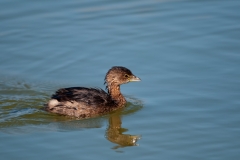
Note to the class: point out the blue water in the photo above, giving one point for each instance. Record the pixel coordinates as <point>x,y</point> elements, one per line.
<point>185,52</point>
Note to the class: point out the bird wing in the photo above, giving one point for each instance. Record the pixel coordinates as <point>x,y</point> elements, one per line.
<point>89,96</point>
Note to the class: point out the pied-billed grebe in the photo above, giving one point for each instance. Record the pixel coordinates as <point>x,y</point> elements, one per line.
<point>89,102</point>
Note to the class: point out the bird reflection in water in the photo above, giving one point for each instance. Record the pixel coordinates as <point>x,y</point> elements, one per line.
<point>114,133</point>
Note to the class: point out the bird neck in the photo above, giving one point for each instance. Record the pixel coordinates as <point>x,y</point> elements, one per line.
<point>114,91</point>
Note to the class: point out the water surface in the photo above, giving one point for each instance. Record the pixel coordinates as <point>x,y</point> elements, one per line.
<point>185,52</point>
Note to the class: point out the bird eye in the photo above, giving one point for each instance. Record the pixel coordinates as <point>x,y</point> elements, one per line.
<point>126,76</point>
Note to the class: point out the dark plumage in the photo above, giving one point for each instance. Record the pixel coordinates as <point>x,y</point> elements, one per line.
<point>88,102</point>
